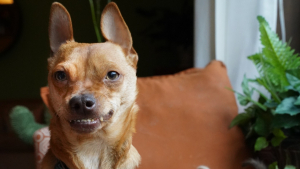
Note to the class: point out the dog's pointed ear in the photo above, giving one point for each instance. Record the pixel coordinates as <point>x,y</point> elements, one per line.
<point>114,28</point>
<point>60,26</point>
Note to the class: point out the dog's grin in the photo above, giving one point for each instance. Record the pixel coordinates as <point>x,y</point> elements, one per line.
<point>89,124</point>
<point>85,125</point>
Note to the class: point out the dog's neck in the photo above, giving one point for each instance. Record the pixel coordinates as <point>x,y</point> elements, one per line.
<point>111,147</point>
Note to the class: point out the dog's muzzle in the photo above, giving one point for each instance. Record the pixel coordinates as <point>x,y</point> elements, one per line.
<point>84,115</point>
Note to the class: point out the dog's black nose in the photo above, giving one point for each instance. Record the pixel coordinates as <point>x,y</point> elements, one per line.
<point>83,104</point>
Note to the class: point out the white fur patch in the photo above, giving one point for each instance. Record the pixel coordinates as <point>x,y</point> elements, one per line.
<point>89,154</point>
<point>202,167</point>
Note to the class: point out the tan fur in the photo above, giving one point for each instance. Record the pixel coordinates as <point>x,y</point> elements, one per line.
<point>86,65</point>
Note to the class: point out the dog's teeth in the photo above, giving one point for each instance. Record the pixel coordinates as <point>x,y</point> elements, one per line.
<point>86,120</point>
<point>101,118</point>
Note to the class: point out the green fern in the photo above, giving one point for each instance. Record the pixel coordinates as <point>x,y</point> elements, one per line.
<point>269,121</point>
<point>275,59</point>
<point>265,74</point>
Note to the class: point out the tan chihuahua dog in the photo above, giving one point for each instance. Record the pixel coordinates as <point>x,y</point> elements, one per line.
<point>92,95</point>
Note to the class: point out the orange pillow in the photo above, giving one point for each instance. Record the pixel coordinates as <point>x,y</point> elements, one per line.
<point>183,121</point>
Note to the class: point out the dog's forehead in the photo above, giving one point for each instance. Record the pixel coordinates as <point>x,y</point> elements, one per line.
<point>98,51</point>
<point>97,57</point>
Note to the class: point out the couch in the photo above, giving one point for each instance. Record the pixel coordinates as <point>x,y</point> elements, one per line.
<point>183,121</point>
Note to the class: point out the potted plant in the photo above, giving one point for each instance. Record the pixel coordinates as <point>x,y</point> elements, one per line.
<point>271,124</point>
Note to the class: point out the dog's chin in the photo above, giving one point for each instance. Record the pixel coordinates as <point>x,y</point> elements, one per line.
<point>85,126</point>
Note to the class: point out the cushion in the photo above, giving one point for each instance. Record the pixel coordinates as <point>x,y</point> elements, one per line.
<point>184,118</point>
<point>41,144</point>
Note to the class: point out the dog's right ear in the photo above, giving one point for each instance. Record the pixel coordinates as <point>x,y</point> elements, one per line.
<point>60,26</point>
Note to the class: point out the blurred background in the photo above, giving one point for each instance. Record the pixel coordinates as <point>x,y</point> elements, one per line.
<point>162,32</point>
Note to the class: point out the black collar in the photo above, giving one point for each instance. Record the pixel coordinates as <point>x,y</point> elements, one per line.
<point>60,165</point>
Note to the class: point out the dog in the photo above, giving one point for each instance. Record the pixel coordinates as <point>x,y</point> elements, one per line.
<point>92,95</point>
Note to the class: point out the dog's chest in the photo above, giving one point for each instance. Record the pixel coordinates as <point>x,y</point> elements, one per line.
<point>89,154</point>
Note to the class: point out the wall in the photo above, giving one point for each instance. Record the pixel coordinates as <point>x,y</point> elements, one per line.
<point>292,25</point>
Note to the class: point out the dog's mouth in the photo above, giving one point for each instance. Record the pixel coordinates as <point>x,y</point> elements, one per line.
<point>87,125</point>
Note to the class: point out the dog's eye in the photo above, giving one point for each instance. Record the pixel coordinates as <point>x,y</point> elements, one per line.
<point>112,75</point>
<point>60,76</point>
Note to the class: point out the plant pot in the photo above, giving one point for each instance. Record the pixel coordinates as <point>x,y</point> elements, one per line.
<point>287,154</point>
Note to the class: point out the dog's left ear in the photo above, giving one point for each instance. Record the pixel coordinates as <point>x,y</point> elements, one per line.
<point>114,29</point>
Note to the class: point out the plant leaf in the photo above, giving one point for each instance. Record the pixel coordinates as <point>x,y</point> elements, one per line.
<point>287,107</point>
<point>294,81</point>
<point>294,72</point>
<point>278,56</point>
<point>262,67</point>
<point>274,165</point>
<point>276,141</point>
<point>285,121</point>
<point>261,127</point>
<point>243,100</point>
<point>290,87</point>
<point>289,167</point>
<point>297,102</point>
<point>271,104</point>
<point>262,97</point>
<point>278,137</point>
<point>261,143</point>
<point>245,86</point>
<point>240,119</point>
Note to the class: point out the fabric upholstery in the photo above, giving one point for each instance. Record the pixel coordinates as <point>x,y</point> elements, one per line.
<point>41,144</point>
<point>184,118</point>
